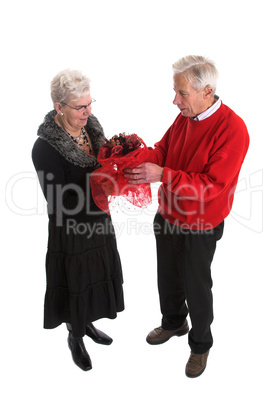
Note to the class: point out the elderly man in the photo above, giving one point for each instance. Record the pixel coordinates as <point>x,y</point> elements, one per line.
<point>198,162</point>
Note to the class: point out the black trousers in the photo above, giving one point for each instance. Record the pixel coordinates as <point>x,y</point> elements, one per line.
<point>184,259</point>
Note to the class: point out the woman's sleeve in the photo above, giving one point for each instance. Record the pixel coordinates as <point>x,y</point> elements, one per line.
<point>48,165</point>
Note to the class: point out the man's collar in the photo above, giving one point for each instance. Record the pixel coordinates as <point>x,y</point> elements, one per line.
<point>208,112</point>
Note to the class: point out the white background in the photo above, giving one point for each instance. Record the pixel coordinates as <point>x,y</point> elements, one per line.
<point>127,49</point>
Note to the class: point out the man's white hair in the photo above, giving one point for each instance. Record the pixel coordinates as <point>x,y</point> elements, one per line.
<point>198,70</point>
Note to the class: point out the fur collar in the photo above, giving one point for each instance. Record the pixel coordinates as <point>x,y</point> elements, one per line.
<point>57,138</point>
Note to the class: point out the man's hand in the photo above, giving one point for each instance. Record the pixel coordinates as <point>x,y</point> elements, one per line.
<point>145,173</point>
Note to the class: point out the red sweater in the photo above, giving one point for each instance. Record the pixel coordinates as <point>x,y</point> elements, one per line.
<point>202,161</point>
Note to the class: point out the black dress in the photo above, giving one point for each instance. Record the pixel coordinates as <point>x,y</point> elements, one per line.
<point>83,269</point>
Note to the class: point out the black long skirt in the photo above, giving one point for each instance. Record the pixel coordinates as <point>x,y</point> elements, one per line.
<point>84,275</point>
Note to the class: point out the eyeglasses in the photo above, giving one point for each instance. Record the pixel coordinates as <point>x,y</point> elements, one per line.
<point>79,108</point>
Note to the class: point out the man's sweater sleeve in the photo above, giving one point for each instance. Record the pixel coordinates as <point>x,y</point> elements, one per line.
<point>158,154</point>
<point>224,164</point>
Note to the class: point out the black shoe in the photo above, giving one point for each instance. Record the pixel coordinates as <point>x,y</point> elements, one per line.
<point>79,353</point>
<point>98,336</point>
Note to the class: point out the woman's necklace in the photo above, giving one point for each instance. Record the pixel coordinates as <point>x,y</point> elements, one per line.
<point>82,140</point>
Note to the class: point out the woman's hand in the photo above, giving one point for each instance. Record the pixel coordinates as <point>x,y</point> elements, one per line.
<point>145,173</point>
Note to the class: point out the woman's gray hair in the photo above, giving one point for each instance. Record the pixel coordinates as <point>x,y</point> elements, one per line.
<point>69,85</point>
<point>198,70</point>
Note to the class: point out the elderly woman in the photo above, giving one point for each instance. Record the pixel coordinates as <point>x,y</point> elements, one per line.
<point>83,269</point>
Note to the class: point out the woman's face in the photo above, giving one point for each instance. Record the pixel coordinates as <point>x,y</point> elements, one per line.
<point>76,112</point>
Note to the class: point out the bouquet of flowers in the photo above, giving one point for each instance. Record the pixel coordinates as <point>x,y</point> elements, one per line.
<point>120,152</point>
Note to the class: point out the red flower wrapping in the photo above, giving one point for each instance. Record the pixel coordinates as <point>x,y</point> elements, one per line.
<point>122,151</point>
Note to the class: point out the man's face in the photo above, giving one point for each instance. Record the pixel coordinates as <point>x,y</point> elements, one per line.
<point>189,101</point>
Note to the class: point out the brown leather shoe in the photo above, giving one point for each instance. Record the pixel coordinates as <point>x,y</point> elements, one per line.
<point>160,335</point>
<point>196,364</point>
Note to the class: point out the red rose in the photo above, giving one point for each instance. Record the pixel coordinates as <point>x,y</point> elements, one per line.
<point>105,152</point>
<point>118,149</point>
